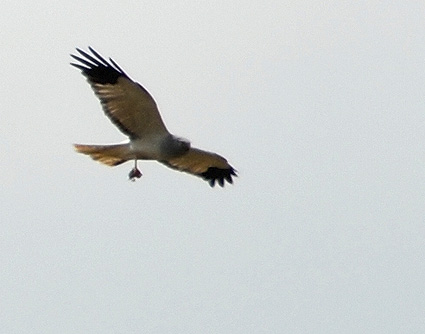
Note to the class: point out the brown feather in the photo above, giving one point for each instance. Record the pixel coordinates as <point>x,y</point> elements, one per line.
<point>210,166</point>
<point>127,104</point>
<point>111,155</point>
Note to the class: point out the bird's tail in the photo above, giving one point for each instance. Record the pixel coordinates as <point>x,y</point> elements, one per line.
<point>111,155</point>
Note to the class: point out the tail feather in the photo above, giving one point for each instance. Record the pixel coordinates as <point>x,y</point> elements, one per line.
<point>111,155</point>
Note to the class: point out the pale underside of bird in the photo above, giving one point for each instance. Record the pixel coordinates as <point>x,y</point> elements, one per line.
<point>133,110</point>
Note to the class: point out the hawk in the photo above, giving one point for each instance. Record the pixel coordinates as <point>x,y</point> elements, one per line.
<point>134,111</point>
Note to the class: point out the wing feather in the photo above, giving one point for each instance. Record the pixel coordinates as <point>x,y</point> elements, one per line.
<point>127,104</point>
<point>207,165</point>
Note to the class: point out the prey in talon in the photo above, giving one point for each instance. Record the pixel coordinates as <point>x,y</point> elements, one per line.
<point>135,173</point>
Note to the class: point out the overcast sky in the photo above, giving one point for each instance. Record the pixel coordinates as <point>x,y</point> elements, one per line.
<point>320,106</point>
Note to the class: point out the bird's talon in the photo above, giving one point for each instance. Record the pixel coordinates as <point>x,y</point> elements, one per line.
<point>134,173</point>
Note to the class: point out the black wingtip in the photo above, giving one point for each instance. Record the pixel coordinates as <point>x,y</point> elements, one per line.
<point>96,68</point>
<point>219,175</point>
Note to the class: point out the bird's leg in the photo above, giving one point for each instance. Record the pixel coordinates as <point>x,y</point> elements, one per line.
<point>135,172</point>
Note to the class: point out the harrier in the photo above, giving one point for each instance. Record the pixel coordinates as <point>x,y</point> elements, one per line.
<point>133,110</point>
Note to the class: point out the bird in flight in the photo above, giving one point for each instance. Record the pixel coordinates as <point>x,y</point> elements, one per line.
<point>133,110</point>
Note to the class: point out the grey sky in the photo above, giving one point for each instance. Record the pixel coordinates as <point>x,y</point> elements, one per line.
<point>318,105</point>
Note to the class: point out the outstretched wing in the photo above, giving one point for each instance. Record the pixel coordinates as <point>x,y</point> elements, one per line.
<point>127,104</point>
<point>210,166</point>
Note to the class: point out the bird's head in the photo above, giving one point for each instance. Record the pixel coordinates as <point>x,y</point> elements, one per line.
<point>182,144</point>
<point>174,146</point>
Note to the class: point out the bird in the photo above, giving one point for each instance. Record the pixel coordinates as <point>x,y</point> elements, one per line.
<point>133,110</point>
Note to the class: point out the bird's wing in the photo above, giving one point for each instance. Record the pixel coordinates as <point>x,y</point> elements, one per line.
<point>210,166</point>
<point>127,104</point>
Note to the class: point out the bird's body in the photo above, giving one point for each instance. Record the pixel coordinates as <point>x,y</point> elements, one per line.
<point>133,110</point>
